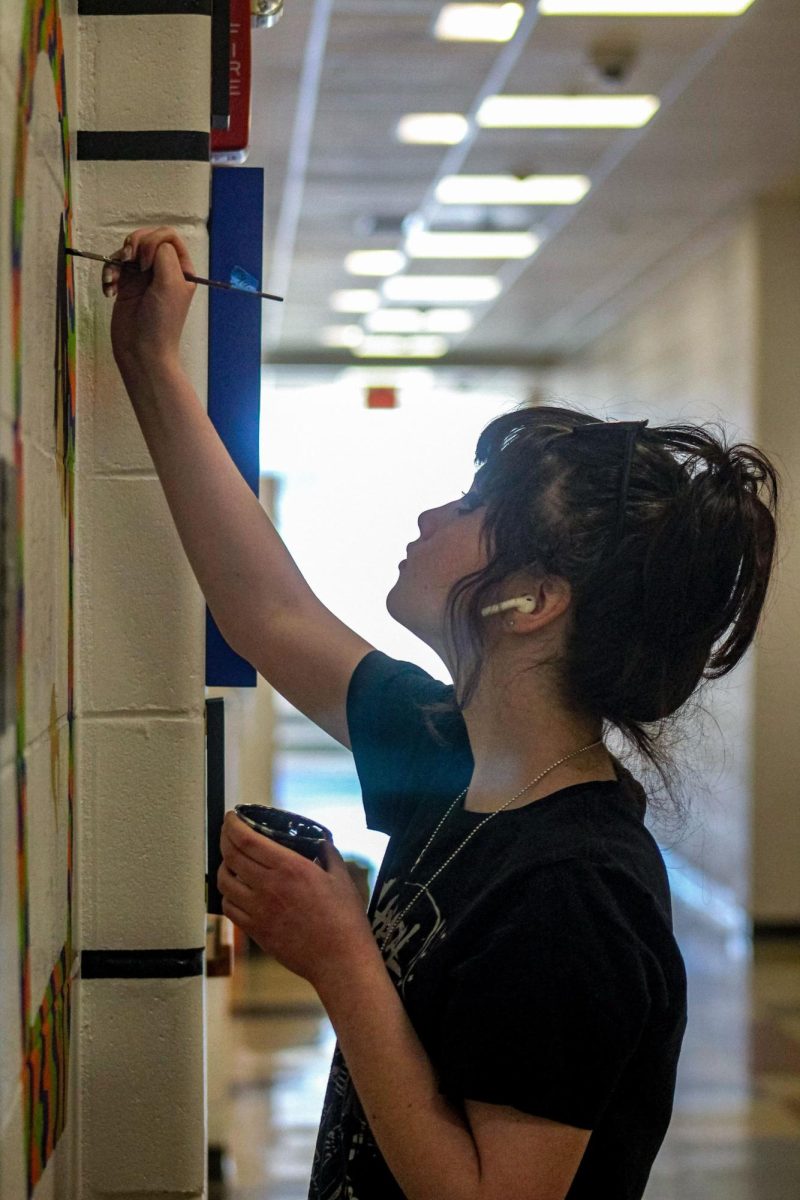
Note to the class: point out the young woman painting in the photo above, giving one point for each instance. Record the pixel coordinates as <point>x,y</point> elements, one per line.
<point>510,1009</point>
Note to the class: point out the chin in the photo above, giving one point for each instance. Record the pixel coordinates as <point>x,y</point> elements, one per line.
<point>395,609</point>
<point>400,613</point>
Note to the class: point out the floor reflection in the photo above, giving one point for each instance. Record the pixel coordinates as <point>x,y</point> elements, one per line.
<point>735,1132</point>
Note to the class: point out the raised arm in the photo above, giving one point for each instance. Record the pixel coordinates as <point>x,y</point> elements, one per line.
<point>257,594</point>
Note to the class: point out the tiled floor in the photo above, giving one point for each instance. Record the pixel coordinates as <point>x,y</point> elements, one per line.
<point>735,1133</point>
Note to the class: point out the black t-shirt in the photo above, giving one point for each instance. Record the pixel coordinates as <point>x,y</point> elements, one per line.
<point>539,971</point>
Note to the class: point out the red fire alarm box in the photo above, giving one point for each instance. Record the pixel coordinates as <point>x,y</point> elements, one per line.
<point>230,145</point>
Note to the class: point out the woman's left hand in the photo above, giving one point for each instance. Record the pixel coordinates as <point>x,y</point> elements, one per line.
<point>308,916</point>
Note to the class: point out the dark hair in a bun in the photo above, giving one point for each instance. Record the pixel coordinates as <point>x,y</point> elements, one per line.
<point>675,602</point>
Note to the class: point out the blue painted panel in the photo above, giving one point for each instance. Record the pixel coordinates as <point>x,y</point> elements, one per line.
<point>234,359</point>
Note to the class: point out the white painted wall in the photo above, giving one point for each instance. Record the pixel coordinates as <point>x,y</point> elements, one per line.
<point>140,646</point>
<point>775,828</point>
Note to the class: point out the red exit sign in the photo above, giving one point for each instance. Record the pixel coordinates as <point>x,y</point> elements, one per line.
<point>381,397</point>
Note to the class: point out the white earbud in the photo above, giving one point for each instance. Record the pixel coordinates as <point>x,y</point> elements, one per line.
<point>525,604</point>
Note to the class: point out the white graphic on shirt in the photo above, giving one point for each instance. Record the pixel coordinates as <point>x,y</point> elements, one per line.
<point>342,1115</point>
<point>425,912</point>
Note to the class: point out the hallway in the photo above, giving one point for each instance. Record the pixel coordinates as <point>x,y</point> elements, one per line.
<point>735,1132</point>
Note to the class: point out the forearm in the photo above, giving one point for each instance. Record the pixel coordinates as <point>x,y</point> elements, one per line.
<point>425,1141</point>
<point>240,561</point>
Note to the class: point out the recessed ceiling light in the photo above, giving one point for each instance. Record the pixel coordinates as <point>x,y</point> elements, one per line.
<point>507,189</point>
<point>342,335</point>
<point>355,300</point>
<point>413,320</point>
<point>421,243</point>
<point>441,289</point>
<point>478,22</point>
<point>374,262</point>
<point>566,112</point>
<point>643,8</point>
<point>402,347</point>
<point>433,129</point>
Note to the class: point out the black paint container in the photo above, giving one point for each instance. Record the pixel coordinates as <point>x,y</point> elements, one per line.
<point>287,828</point>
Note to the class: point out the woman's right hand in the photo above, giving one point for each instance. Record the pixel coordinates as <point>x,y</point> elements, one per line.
<point>151,303</point>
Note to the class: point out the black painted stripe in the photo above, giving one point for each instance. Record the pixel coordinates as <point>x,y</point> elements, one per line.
<point>138,8</point>
<point>776,929</point>
<point>153,144</point>
<point>141,964</point>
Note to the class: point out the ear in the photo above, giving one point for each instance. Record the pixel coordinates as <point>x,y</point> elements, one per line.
<point>553,596</point>
<point>556,595</point>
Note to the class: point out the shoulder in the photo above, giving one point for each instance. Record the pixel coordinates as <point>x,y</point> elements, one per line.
<point>395,707</point>
<point>394,681</point>
<point>376,666</point>
<point>396,752</point>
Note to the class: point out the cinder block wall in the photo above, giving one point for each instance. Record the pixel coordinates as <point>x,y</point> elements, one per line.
<point>140,642</point>
<point>104,757</point>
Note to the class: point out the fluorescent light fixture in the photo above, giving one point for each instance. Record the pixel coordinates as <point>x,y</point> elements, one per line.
<point>478,22</point>
<point>566,112</point>
<point>396,320</point>
<point>421,243</point>
<point>374,262</point>
<point>355,300</point>
<point>342,335</point>
<point>507,189</point>
<point>449,320</point>
<point>413,320</point>
<point>433,129</point>
<point>643,8</point>
<point>441,289</point>
<point>431,346</point>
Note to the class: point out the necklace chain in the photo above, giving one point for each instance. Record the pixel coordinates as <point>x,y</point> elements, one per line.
<point>471,834</point>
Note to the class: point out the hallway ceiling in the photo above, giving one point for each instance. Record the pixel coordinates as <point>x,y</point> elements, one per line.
<point>333,78</point>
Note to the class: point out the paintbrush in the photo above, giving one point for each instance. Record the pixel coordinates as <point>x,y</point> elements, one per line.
<point>242,286</point>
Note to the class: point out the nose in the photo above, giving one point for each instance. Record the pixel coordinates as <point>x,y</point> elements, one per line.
<point>426,522</point>
<point>422,525</point>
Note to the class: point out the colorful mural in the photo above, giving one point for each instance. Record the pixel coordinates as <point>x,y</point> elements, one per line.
<point>45,1020</point>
